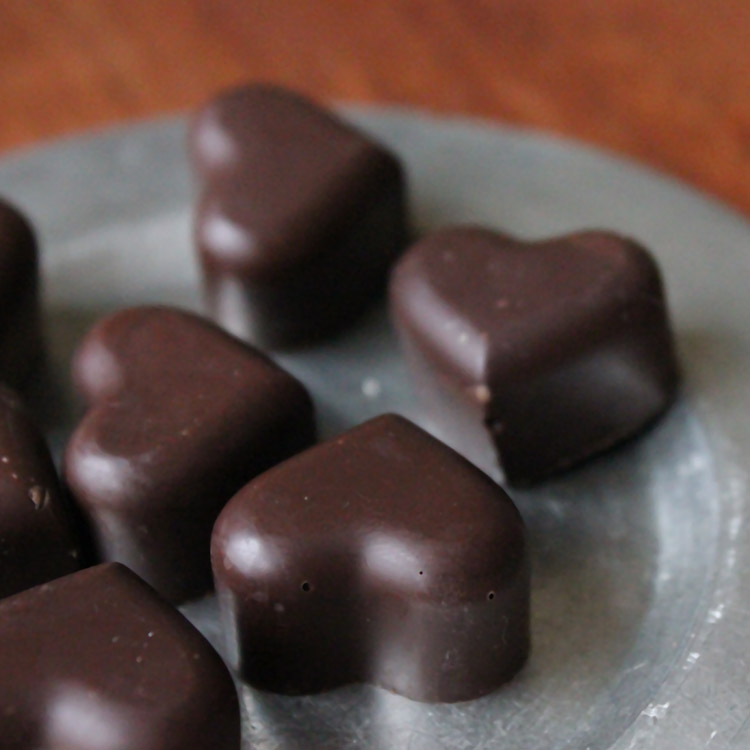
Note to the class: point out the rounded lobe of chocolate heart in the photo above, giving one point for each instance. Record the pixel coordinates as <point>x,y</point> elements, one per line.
<point>97,660</point>
<point>381,556</point>
<point>561,348</point>
<point>300,218</point>
<point>21,345</point>
<point>181,416</point>
<point>38,539</point>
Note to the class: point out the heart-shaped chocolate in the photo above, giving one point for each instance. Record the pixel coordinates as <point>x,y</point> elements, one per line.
<point>558,349</point>
<point>300,219</point>
<point>97,660</point>
<point>38,541</point>
<point>20,320</point>
<point>181,416</point>
<point>381,556</point>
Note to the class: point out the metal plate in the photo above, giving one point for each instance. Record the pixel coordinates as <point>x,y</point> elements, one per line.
<point>641,586</point>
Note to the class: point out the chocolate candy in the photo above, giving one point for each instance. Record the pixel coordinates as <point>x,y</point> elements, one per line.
<point>381,556</point>
<point>20,321</point>
<point>37,532</point>
<point>97,661</point>
<point>181,416</point>
<point>300,219</point>
<point>556,350</point>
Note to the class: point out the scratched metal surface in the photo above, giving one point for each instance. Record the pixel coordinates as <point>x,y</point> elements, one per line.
<point>640,561</point>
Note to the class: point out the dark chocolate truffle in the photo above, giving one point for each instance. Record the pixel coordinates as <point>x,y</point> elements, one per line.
<point>300,219</point>
<point>37,532</point>
<point>20,319</point>
<point>556,350</point>
<point>381,556</point>
<point>97,661</point>
<point>181,416</point>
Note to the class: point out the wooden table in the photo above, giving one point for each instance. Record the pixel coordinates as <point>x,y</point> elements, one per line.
<point>665,81</point>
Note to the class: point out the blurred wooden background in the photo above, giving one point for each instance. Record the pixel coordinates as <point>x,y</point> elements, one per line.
<point>665,81</point>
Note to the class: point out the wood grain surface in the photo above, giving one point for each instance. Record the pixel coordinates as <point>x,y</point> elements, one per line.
<point>665,81</point>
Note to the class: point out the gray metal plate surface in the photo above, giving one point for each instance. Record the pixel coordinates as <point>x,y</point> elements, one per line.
<point>641,560</point>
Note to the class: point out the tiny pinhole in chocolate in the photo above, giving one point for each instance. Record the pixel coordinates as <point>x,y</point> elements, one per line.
<point>306,586</point>
<point>421,572</point>
<point>490,596</point>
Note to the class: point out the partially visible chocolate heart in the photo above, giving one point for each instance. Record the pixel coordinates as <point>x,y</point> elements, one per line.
<point>301,215</point>
<point>181,416</point>
<point>20,319</point>
<point>38,541</point>
<point>97,660</point>
<point>558,349</point>
<point>381,556</point>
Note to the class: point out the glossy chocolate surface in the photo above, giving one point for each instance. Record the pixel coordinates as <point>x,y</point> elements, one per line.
<point>181,416</point>
<point>38,541</point>
<point>300,219</point>
<point>381,556</point>
<point>97,661</point>
<point>559,349</point>
<point>20,322</point>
